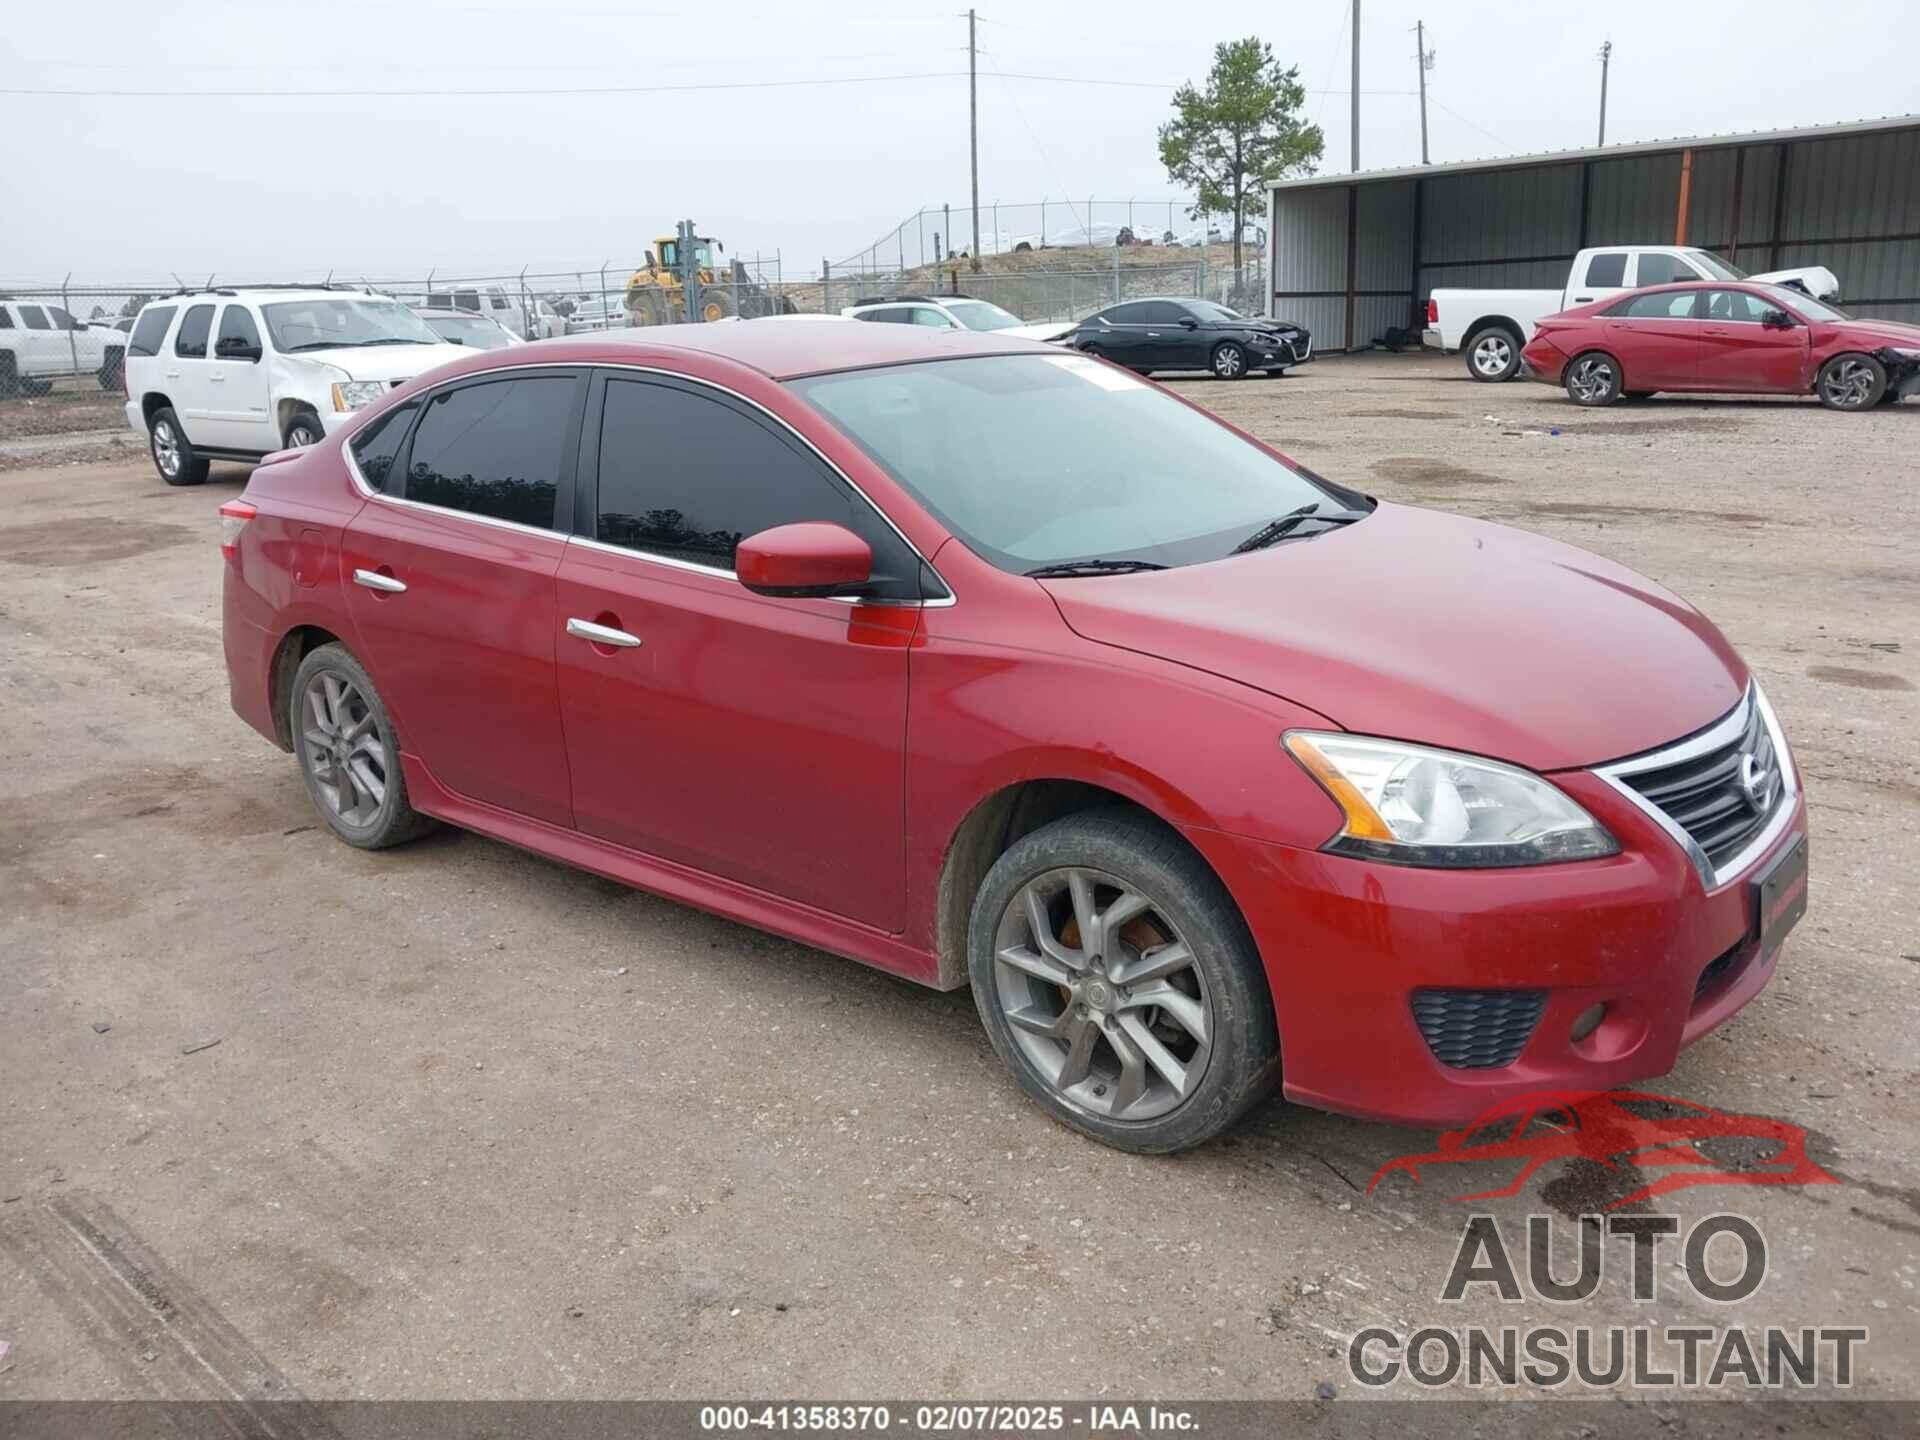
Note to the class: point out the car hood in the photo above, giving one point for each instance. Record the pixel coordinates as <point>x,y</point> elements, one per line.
<point>386,362</point>
<point>1045,330</point>
<point>1418,625</point>
<point>1816,280</point>
<point>1882,332</point>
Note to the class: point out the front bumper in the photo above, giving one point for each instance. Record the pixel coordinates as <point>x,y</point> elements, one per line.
<point>1347,943</point>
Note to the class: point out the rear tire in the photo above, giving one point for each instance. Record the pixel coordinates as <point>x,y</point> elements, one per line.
<point>1093,1046</point>
<point>1593,378</point>
<point>1851,382</point>
<point>173,454</point>
<point>9,376</point>
<point>349,752</point>
<point>1492,353</point>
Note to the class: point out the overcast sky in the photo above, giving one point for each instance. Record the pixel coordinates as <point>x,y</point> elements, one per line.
<point>216,176</point>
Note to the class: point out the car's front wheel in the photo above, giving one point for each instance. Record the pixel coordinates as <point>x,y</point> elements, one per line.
<point>1119,983</point>
<point>303,430</point>
<point>1593,379</point>
<point>1229,360</point>
<point>1851,382</point>
<point>348,752</point>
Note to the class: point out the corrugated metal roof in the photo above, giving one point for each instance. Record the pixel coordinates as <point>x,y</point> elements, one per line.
<point>1612,152</point>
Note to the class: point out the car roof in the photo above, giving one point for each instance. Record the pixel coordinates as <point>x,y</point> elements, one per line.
<point>265,292</point>
<point>784,352</point>
<point>442,312</point>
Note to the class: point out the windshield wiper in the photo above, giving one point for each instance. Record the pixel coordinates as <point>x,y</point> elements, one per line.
<point>355,344</point>
<point>1279,529</point>
<point>1069,569</point>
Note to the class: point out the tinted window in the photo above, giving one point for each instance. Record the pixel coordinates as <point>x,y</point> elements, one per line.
<point>894,315</point>
<point>61,319</point>
<point>35,317</point>
<point>1737,306</point>
<point>150,329</point>
<point>192,339</point>
<point>1165,312</point>
<point>238,333</point>
<point>689,477</point>
<point>1668,305</point>
<point>466,300</point>
<point>494,449</point>
<point>1134,314</point>
<point>6,318</point>
<point>1608,269</point>
<point>927,315</point>
<point>499,302</point>
<point>1662,270</point>
<point>376,446</point>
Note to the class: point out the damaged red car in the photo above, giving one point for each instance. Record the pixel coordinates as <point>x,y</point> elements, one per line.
<point>999,667</point>
<point>1724,338</point>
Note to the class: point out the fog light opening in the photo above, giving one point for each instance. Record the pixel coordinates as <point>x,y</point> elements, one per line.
<point>1587,1021</point>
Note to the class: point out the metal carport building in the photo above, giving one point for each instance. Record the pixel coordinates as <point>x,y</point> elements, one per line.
<point>1350,255</point>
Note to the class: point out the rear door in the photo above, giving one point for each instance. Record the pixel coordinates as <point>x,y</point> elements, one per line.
<point>1657,339</point>
<point>1604,274</point>
<point>1123,336</point>
<point>1739,351</point>
<point>238,414</point>
<point>756,739</point>
<point>185,378</point>
<point>451,567</point>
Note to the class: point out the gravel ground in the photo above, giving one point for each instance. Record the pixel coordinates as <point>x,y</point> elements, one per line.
<point>478,1125</point>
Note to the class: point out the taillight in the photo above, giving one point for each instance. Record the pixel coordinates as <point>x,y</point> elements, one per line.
<point>1433,311</point>
<point>234,516</point>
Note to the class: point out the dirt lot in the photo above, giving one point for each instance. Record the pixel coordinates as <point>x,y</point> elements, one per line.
<point>477,1125</point>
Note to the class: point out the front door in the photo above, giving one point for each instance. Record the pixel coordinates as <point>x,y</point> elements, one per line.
<point>1739,350</point>
<point>756,739</point>
<point>452,589</point>
<point>239,415</point>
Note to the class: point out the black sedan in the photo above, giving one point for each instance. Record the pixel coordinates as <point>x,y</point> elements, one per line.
<point>1174,334</point>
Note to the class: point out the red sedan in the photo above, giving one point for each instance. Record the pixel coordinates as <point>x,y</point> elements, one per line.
<point>993,665</point>
<point>1724,337</point>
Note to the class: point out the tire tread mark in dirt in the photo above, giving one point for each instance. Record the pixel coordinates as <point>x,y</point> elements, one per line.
<point>153,1328</point>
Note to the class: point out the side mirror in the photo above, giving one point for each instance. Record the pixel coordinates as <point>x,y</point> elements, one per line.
<point>236,350</point>
<point>813,558</point>
<point>1187,322</point>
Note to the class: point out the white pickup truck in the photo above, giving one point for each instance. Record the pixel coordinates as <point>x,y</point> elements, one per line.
<point>39,341</point>
<point>1492,326</point>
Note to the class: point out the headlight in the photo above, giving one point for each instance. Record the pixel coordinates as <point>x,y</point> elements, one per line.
<point>1909,354</point>
<point>1415,806</point>
<point>352,394</point>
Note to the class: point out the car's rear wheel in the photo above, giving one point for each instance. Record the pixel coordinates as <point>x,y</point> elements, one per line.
<point>1119,983</point>
<point>1493,353</point>
<point>1593,379</point>
<point>349,755</point>
<point>173,456</point>
<point>1229,361</point>
<point>1851,382</point>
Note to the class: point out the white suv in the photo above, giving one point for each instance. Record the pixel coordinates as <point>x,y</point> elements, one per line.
<point>234,374</point>
<point>952,312</point>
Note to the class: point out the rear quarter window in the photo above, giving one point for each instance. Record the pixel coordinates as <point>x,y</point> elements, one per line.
<point>150,329</point>
<point>376,446</point>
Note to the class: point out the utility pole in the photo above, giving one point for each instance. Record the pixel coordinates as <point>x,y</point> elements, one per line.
<point>1606,54</point>
<point>973,131</point>
<point>1356,85</point>
<point>1425,57</point>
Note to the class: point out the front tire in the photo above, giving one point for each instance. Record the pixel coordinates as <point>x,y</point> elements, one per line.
<point>173,454</point>
<point>304,429</point>
<point>1229,361</point>
<point>1593,379</point>
<point>349,754</point>
<point>1851,382</point>
<point>1493,354</point>
<point>1120,985</point>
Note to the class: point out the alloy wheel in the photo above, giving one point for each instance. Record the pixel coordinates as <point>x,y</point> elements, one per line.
<point>1228,362</point>
<point>166,449</point>
<point>1102,995</point>
<point>1493,355</point>
<point>343,748</point>
<point>301,435</point>
<point>1591,379</point>
<point>1847,384</point>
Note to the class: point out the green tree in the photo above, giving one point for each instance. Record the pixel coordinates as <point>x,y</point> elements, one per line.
<point>1244,129</point>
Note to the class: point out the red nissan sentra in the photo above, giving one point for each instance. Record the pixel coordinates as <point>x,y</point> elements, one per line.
<point>990,664</point>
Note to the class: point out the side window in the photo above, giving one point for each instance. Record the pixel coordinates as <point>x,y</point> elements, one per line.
<point>1134,314</point>
<point>1668,305</point>
<point>1736,306</point>
<point>1164,312</point>
<point>499,302</point>
<point>239,337</point>
<point>466,300</point>
<point>689,478</point>
<point>1656,269</point>
<point>6,318</point>
<point>494,448</point>
<point>930,317</point>
<point>439,300</point>
<point>191,342</point>
<point>377,446</point>
<point>34,316</point>
<point>61,319</point>
<point>150,329</point>
<point>1609,268</point>
<point>889,315</point>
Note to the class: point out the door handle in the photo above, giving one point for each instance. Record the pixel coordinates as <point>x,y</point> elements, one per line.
<point>217,378</point>
<point>602,634</point>
<point>1715,330</point>
<point>374,580</point>
<point>1582,299</point>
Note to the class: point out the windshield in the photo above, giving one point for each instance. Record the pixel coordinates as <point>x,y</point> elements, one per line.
<point>981,315</point>
<point>468,330</point>
<point>1040,460</point>
<point>322,324</point>
<point>1804,305</point>
<point>1715,267</point>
